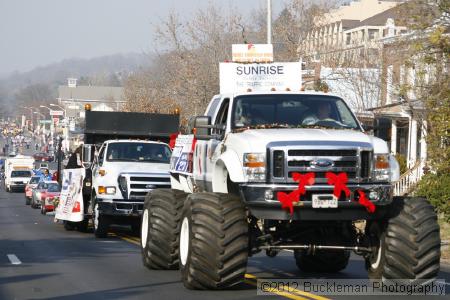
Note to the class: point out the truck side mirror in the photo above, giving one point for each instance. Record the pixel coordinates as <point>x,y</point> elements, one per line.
<point>202,125</point>
<point>87,155</point>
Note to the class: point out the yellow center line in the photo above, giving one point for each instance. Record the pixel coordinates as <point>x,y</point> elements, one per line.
<point>294,294</point>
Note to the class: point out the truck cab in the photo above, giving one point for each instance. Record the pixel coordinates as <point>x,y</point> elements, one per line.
<point>18,171</point>
<point>252,143</point>
<point>123,172</point>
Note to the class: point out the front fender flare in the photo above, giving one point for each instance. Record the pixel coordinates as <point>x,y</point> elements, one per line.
<point>230,165</point>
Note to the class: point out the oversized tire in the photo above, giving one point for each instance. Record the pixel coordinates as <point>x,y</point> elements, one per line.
<point>69,226</point>
<point>409,242</point>
<point>160,228</point>
<point>323,261</point>
<point>213,241</point>
<point>101,223</point>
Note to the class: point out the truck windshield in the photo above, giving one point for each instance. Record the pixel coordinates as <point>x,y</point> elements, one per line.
<point>287,111</point>
<point>20,174</point>
<point>142,152</point>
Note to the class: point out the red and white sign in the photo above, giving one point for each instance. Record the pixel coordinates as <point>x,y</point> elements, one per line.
<point>56,113</point>
<point>252,53</point>
<point>56,121</point>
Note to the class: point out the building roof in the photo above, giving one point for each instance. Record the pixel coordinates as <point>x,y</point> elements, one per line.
<point>348,24</point>
<point>381,18</point>
<point>104,93</point>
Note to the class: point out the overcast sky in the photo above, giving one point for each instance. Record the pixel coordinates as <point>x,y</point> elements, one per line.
<point>38,32</point>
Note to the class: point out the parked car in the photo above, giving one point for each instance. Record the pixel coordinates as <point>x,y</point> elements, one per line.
<point>34,180</point>
<point>44,194</point>
<point>42,156</point>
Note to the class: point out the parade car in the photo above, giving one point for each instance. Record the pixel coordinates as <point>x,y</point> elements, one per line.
<point>44,194</point>
<point>42,156</point>
<point>34,180</point>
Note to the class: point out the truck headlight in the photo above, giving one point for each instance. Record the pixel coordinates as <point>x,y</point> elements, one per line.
<point>255,166</point>
<point>123,186</point>
<point>381,167</point>
<point>109,190</point>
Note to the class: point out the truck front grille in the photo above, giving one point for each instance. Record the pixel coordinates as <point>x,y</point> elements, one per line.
<point>140,184</point>
<point>284,161</point>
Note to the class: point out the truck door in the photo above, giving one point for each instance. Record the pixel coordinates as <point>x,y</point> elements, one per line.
<point>98,163</point>
<point>213,147</point>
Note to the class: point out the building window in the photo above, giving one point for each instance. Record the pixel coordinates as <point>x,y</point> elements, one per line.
<point>348,39</point>
<point>373,34</point>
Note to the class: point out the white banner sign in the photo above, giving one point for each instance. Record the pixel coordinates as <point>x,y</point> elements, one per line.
<point>260,77</point>
<point>56,113</point>
<point>252,53</point>
<point>181,159</point>
<point>71,206</point>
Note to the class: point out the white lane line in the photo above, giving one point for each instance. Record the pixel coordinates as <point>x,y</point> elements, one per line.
<point>13,259</point>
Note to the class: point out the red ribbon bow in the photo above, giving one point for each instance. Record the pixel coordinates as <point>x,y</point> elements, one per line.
<point>366,202</point>
<point>339,181</point>
<point>287,200</point>
<point>303,180</point>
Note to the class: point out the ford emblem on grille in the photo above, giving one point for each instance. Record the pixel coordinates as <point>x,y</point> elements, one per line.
<point>150,186</point>
<point>322,163</point>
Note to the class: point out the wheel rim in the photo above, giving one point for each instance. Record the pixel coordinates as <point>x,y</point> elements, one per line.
<point>376,263</point>
<point>96,216</point>
<point>144,228</point>
<point>184,241</point>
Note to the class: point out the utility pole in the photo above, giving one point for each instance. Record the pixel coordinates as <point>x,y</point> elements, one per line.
<point>269,21</point>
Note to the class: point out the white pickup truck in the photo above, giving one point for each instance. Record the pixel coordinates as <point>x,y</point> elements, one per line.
<point>123,172</point>
<point>284,170</point>
<point>18,171</point>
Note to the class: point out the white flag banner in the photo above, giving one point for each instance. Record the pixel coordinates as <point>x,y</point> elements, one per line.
<point>71,206</point>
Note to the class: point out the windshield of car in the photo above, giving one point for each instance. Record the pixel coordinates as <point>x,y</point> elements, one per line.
<point>142,152</point>
<point>34,180</point>
<point>20,174</point>
<point>53,187</point>
<point>287,111</point>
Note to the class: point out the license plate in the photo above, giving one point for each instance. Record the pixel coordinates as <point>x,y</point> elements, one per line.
<point>324,201</point>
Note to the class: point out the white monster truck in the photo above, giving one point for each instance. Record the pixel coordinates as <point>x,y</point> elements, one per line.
<point>284,170</point>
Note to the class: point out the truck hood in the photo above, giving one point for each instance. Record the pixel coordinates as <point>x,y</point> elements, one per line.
<point>132,167</point>
<point>256,140</point>
<point>20,179</point>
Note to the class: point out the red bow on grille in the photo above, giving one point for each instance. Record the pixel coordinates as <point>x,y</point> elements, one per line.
<point>303,180</point>
<point>287,200</point>
<point>366,202</point>
<point>339,181</point>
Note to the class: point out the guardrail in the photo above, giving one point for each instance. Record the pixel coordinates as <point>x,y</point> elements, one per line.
<point>409,179</point>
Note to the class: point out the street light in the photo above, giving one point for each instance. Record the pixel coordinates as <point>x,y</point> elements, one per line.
<point>40,114</point>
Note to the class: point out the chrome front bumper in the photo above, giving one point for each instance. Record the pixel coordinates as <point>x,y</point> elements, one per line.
<point>261,200</point>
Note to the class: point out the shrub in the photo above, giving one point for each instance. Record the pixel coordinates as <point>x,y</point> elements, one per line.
<point>436,188</point>
<point>402,162</point>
